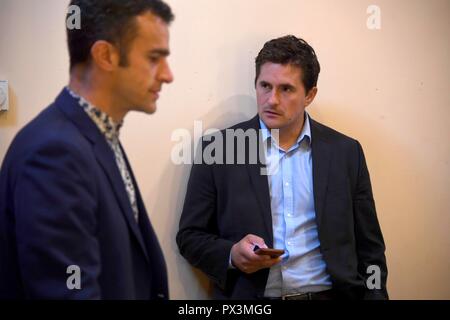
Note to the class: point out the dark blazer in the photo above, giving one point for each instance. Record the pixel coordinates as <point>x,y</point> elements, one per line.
<point>224,203</point>
<point>63,203</point>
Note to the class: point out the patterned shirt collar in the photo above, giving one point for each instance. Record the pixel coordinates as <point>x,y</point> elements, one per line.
<point>104,122</point>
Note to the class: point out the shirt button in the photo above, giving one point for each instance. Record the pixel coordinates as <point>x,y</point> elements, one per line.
<point>287,184</point>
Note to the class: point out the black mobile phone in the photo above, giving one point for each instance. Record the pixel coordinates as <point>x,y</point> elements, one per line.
<point>273,253</point>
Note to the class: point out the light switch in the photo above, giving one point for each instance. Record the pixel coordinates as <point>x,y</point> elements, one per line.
<point>4,97</point>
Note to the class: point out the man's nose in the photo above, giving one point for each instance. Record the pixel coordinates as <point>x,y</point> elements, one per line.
<point>274,99</point>
<point>166,74</point>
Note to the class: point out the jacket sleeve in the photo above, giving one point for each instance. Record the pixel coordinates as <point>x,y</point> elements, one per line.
<point>56,224</point>
<point>370,245</point>
<point>198,237</point>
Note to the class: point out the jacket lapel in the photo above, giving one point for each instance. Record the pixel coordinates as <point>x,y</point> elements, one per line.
<point>105,156</point>
<point>321,156</point>
<point>260,183</point>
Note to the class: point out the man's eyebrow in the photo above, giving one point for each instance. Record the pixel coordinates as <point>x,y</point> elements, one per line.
<point>286,84</point>
<point>161,52</point>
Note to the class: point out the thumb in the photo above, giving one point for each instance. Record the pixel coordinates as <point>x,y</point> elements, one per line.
<point>255,240</point>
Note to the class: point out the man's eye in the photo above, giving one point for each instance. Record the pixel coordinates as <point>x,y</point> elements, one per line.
<point>265,86</point>
<point>154,59</point>
<point>286,89</point>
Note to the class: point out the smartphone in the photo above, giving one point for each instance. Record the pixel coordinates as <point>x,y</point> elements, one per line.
<point>273,253</point>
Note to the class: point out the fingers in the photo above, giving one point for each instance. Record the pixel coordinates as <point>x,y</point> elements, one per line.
<point>244,258</point>
<point>254,266</point>
<point>255,240</point>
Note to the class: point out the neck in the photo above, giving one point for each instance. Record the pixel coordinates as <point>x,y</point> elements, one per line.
<point>288,135</point>
<point>84,84</point>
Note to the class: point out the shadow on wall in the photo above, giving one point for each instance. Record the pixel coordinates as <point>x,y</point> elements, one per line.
<point>192,283</point>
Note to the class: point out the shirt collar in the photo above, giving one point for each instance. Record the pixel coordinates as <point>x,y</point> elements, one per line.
<point>306,131</point>
<point>104,122</point>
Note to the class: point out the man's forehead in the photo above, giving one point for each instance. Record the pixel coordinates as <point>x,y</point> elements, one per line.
<point>148,18</point>
<point>280,67</point>
<point>277,71</point>
<point>152,28</point>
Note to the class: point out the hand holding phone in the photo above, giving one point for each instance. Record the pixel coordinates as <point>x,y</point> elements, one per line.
<point>273,253</point>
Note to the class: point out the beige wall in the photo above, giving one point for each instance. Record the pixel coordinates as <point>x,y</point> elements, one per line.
<point>387,88</point>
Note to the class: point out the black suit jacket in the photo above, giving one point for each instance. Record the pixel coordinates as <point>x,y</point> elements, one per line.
<point>224,203</point>
<point>63,203</point>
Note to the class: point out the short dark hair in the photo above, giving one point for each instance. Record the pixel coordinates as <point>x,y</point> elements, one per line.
<point>291,50</point>
<point>112,21</point>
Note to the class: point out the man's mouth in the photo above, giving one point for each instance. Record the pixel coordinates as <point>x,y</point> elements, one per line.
<point>155,93</point>
<point>271,113</point>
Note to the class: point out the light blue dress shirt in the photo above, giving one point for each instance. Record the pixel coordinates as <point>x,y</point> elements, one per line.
<point>293,218</point>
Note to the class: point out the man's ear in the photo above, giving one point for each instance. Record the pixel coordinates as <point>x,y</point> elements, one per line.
<point>310,96</point>
<point>105,55</point>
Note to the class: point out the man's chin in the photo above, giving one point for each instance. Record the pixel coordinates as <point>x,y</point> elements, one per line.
<point>148,109</point>
<point>151,111</point>
<point>272,123</point>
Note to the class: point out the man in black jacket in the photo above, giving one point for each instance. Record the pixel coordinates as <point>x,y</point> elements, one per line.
<point>308,193</point>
